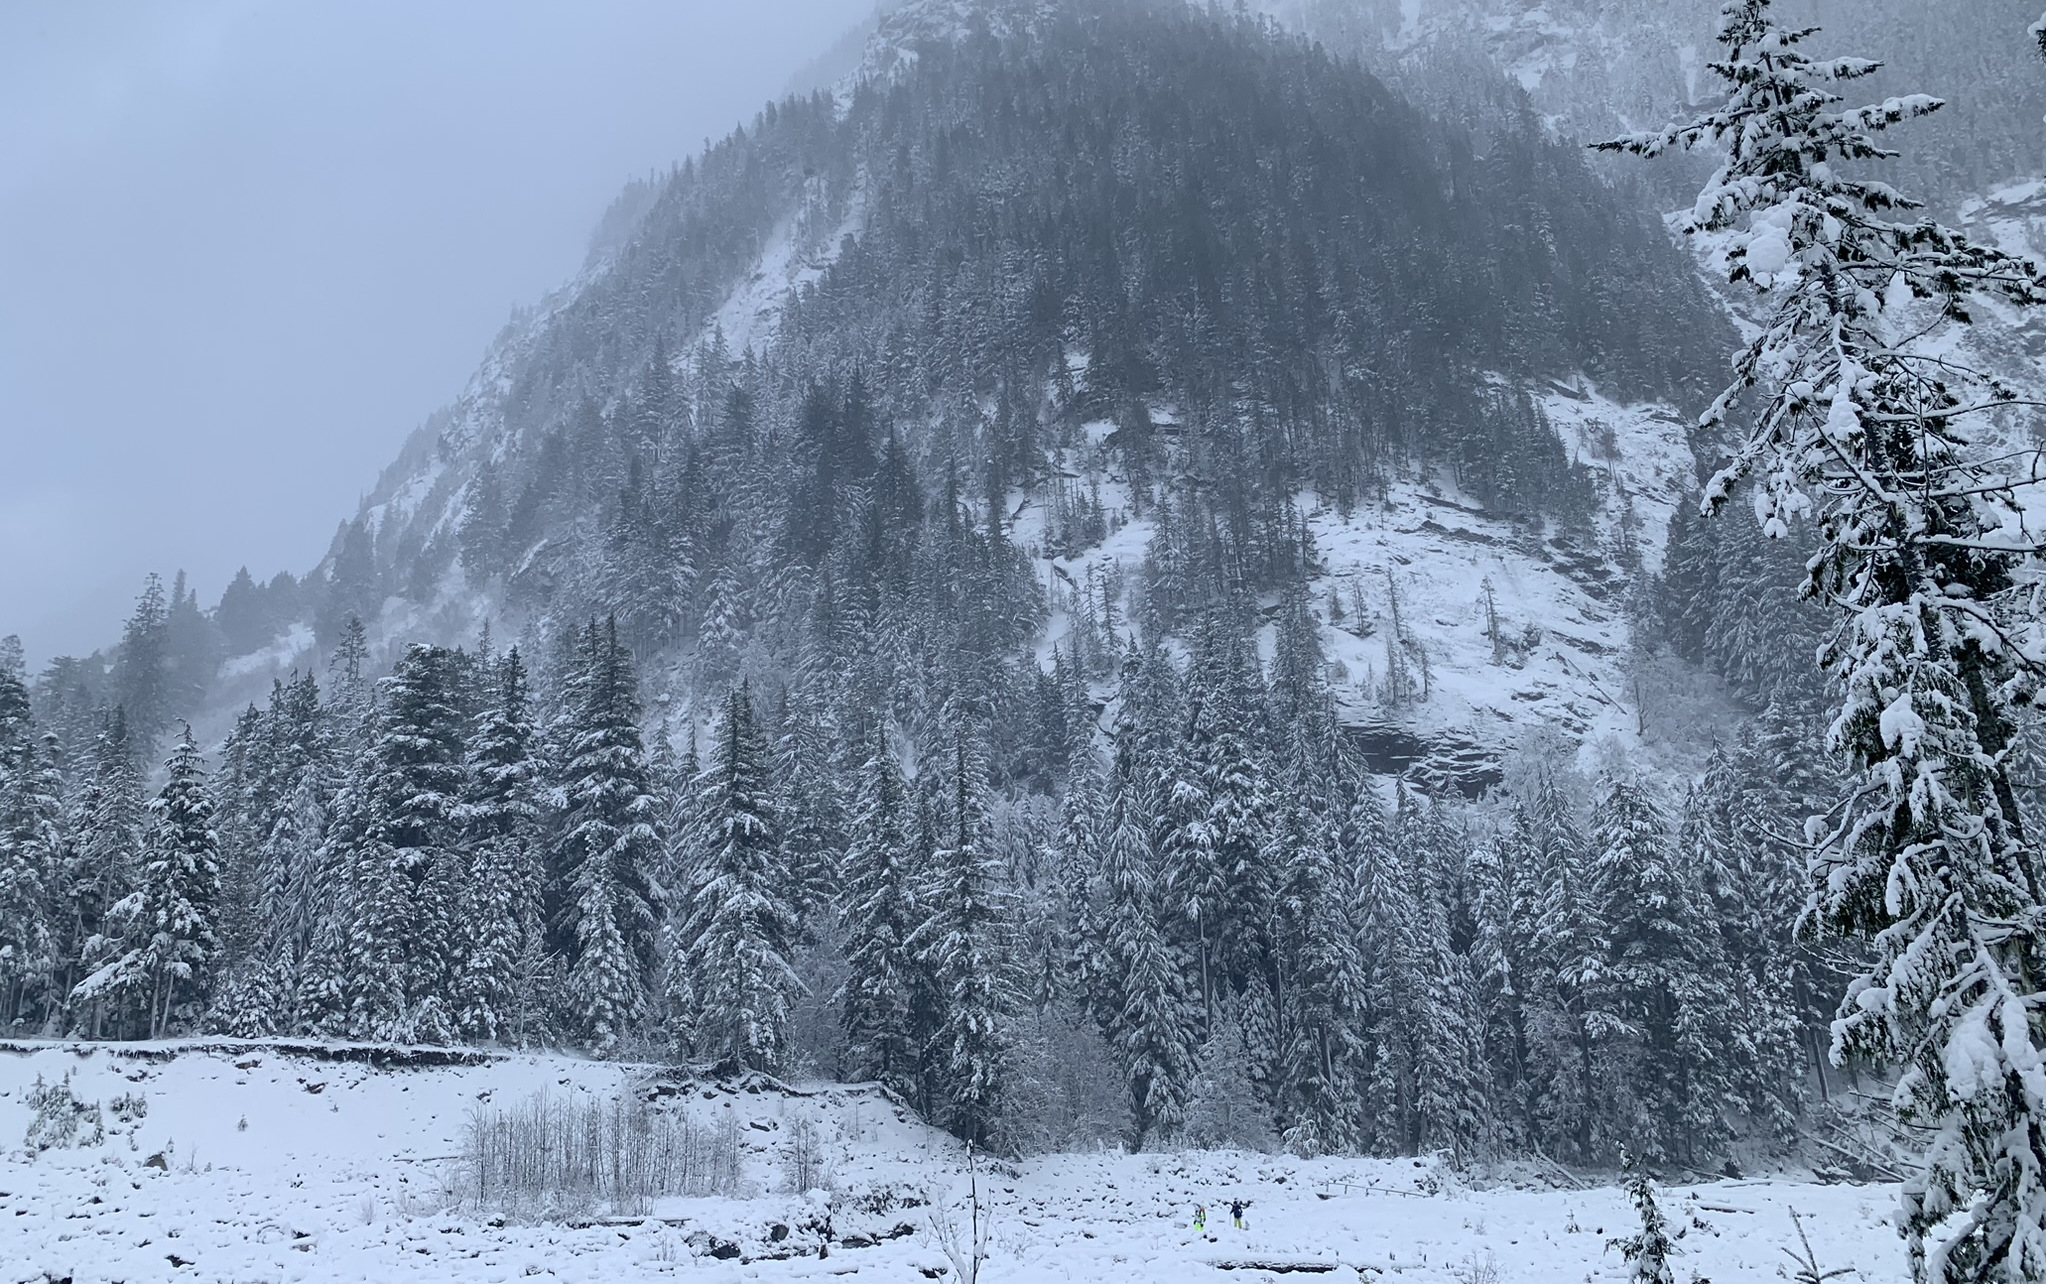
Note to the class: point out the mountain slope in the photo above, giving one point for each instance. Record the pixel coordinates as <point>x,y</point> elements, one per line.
<point>1125,251</point>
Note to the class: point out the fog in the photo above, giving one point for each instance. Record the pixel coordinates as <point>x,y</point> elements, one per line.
<point>245,247</point>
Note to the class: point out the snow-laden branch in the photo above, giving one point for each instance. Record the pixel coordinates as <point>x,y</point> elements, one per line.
<point>1926,555</point>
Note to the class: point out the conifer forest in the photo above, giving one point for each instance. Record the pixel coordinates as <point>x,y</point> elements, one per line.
<point>1161,577</point>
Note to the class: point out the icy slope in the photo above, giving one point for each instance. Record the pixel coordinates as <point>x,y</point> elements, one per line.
<point>338,1175</point>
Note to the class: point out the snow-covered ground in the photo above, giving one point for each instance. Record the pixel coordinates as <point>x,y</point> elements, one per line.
<point>280,1165</point>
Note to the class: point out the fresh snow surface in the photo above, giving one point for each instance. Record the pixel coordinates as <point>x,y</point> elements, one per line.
<point>339,1175</point>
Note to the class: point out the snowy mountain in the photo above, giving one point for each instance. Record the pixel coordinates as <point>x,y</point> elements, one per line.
<point>732,253</point>
<point>1117,572</point>
<point>753,233</point>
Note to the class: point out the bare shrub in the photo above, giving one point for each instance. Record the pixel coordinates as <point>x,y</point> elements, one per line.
<point>1477,1270</point>
<point>548,1158</point>
<point>966,1247</point>
<point>806,1168</point>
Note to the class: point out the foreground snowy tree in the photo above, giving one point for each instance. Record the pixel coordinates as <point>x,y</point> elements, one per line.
<point>1868,423</point>
<point>1648,1250</point>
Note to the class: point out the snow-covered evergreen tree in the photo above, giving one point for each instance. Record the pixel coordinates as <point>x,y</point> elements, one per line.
<point>1227,764</point>
<point>721,632</point>
<point>740,927</point>
<point>610,846</point>
<point>168,924</point>
<point>878,998</point>
<point>811,814</point>
<point>104,855</point>
<point>1746,990</point>
<point>1320,979</point>
<point>1573,1023</point>
<point>406,858</point>
<point>350,684</point>
<point>1136,981</point>
<point>1871,424</point>
<point>1382,911</point>
<point>1662,969</point>
<point>299,882</point>
<point>142,667</point>
<point>647,569</point>
<point>31,843</point>
<point>497,909</point>
<point>966,941</point>
<point>1452,1107</point>
<point>1648,1250</point>
<point>1503,967</point>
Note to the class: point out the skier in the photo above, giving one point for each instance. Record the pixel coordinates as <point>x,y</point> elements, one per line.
<point>1200,1218</point>
<point>1236,1207</point>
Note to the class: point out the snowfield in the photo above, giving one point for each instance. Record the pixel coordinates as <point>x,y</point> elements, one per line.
<point>274,1161</point>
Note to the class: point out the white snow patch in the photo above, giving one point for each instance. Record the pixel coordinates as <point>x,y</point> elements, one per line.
<point>285,651</point>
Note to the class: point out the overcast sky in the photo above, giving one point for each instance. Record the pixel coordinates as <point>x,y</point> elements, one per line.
<point>246,246</point>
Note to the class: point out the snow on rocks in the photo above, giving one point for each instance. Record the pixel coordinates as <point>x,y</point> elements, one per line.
<point>283,1161</point>
<point>1520,630</point>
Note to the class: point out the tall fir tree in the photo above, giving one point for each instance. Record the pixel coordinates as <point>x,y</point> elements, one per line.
<point>878,997</point>
<point>741,925</point>
<point>1871,421</point>
<point>497,909</point>
<point>966,941</point>
<point>168,924</point>
<point>610,847</point>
